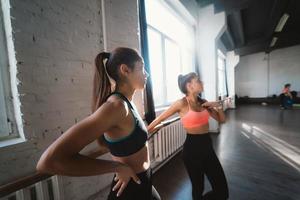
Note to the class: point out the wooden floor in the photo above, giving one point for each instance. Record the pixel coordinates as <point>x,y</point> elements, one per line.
<point>259,150</point>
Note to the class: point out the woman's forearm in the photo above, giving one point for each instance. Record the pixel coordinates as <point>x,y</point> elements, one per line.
<point>78,165</point>
<point>221,115</point>
<point>153,124</point>
<point>97,153</point>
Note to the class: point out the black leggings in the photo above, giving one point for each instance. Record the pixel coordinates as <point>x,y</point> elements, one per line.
<point>134,191</point>
<point>200,159</point>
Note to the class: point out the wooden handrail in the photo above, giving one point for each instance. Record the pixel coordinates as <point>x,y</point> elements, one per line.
<point>37,177</point>
<point>22,183</point>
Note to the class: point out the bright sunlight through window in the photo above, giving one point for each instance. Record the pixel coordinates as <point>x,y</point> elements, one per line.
<point>171,50</point>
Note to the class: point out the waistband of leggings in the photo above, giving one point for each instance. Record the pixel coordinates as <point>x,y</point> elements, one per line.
<point>147,172</point>
<point>200,135</point>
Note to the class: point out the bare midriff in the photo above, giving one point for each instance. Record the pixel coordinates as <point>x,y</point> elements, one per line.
<point>138,161</point>
<point>198,130</point>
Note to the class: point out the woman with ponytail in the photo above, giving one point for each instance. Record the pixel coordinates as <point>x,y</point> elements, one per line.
<point>198,154</point>
<point>117,127</point>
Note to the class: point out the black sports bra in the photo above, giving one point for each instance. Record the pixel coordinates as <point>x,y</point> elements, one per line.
<point>134,141</point>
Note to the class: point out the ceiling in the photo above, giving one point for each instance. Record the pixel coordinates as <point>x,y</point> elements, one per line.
<point>251,24</point>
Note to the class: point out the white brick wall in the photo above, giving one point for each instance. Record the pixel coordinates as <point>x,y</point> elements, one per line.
<point>56,42</point>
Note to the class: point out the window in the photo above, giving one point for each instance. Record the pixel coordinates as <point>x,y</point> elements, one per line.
<point>222,85</point>
<point>171,50</point>
<point>8,94</point>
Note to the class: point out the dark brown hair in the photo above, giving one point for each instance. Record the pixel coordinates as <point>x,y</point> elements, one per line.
<point>287,85</point>
<point>184,79</point>
<point>111,68</point>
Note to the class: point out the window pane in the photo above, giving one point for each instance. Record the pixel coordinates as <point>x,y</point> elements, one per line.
<point>221,77</point>
<point>172,56</point>
<point>155,56</point>
<point>187,62</point>
<point>221,63</point>
<point>169,23</point>
<point>221,81</point>
<point>4,131</point>
<point>3,116</point>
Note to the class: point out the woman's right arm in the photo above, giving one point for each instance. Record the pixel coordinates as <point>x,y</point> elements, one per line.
<point>174,108</point>
<point>62,157</point>
<point>99,151</point>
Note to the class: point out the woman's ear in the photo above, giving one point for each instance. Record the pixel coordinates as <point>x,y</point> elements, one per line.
<point>124,69</point>
<point>188,86</point>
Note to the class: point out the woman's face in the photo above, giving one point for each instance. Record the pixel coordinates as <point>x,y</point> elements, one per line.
<point>196,86</point>
<point>138,76</point>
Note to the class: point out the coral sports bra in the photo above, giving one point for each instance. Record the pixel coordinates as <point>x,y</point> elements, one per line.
<point>194,119</point>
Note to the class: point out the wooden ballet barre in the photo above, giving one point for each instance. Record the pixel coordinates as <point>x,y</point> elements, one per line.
<point>22,183</point>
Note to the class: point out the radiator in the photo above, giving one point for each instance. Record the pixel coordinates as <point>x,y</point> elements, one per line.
<point>167,142</point>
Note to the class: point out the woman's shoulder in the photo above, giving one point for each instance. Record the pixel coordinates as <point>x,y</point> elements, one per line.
<point>114,106</point>
<point>115,102</point>
<point>180,103</point>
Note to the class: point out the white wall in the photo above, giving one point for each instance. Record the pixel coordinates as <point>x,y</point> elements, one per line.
<point>56,43</point>
<point>210,27</point>
<point>251,76</point>
<point>285,68</point>
<point>255,78</point>
<point>191,6</point>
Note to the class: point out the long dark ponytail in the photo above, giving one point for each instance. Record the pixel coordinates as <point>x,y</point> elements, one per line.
<point>102,85</point>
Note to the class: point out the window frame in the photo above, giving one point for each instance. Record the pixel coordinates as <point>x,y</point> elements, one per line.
<point>8,82</point>
<point>5,132</point>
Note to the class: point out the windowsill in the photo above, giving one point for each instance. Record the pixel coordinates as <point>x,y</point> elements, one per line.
<point>10,142</point>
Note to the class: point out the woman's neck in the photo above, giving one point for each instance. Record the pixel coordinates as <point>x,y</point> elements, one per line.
<point>126,90</point>
<point>192,98</point>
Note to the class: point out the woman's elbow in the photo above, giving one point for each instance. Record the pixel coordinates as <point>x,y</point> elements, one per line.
<point>46,165</point>
<point>42,167</point>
